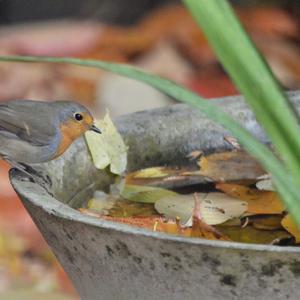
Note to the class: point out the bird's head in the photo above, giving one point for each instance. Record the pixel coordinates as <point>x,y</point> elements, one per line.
<point>74,119</point>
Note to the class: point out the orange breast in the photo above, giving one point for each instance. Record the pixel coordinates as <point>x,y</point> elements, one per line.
<point>70,131</point>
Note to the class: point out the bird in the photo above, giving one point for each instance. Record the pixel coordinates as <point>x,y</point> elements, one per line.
<point>34,132</point>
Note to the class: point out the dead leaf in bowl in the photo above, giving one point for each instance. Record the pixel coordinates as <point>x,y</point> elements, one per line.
<point>229,166</point>
<point>289,224</point>
<point>156,223</point>
<point>107,148</point>
<point>165,177</point>
<point>252,235</point>
<point>215,208</point>
<point>154,172</point>
<point>125,208</point>
<point>266,222</point>
<point>144,194</point>
<point>200,228</point>
<point>259,202</point>
<point>176,207</point>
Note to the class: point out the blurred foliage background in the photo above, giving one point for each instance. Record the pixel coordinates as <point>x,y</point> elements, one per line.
<point>158,36</point>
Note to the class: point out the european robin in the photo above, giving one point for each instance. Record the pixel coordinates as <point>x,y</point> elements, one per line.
<point>36,132</point>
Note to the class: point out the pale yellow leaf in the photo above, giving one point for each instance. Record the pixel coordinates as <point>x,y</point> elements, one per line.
<point>215,208</point>
<point>259,202</point>
<point>154,172</point>
<point>107,148</point>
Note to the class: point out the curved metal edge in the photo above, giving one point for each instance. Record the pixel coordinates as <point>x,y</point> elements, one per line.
<point>39,197</point>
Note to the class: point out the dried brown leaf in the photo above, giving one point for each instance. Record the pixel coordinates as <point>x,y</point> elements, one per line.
<point>259,202</point>
<point>268,222</point>
<point>289,224</point>
<point>229,166</point>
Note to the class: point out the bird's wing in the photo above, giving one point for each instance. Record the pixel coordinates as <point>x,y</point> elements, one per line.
<point>27,123</point>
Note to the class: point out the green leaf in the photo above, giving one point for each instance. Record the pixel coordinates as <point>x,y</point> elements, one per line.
<point>144,194</point>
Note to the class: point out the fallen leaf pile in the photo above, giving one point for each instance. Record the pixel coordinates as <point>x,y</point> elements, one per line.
<point>220,206</point>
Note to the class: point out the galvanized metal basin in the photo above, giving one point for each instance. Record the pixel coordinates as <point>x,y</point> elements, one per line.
<point>107,260</point>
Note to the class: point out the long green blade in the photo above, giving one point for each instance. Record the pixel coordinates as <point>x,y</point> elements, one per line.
<point>252,76</point>
<point>287,187</point>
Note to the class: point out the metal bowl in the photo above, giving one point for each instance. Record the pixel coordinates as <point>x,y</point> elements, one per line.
<point>107,260</point>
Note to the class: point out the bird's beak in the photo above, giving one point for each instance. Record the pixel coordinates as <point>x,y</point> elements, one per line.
<point>96,129</point>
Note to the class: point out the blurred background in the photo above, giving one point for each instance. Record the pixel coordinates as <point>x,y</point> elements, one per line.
<point>156,35</point>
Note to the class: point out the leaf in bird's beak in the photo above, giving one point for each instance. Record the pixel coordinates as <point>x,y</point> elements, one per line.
<point>107,148</point>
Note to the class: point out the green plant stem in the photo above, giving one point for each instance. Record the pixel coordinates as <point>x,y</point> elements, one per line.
<point>252,76</point>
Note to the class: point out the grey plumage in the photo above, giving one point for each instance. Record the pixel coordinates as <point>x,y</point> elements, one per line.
<point>29,130</point>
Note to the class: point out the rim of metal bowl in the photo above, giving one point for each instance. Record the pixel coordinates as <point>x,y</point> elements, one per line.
<point>34,193</point>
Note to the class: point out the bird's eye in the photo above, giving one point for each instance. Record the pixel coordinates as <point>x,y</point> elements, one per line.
<point>78,117</point>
